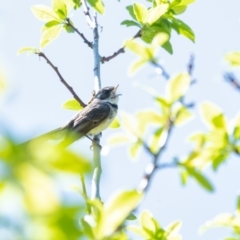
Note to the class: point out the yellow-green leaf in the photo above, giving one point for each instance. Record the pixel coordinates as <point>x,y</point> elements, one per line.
<point>213,116</point>
<point>97,5</point>
<point>49,35</point>
<point>159,40</point>
<point>155,13</point>
<point>135,149</point>
<point>183,116</point>
<point>136,65</point>
<point>116,210</point>
<point>118,139</point>
<point>72,104</point>
<point>60,8</point>
<point>144,52</point>
<point>28,50</point>
<point>233,58</point>
<point>173,228</point>
<point>45,13</point>
<point>140,12</point>
<point>115,123</point>
<point>178,86</point>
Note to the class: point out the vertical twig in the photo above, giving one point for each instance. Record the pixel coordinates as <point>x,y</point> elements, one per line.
<point>95,193</point>
<point>84,193</point>
<point>96,141</point>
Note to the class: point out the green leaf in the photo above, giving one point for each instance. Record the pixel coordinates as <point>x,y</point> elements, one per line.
<point>135,149</point>
<point>136,65</point>
<point>97,5</point>
<point>77,3</point>
<point>149,117</point>
<point>117,209</point>
<point>45,13</point>
<point>72,104</point>
<point>159,40</point>
<point>233,58</point>
<point>138,230</point>
<point>238,205</point>
<point>156,140</point>
<point>131,217</point>
<point>155,13</point>
<point>148,33</point>
<point>183,116</point>
<point>141,12</point>
<point>168,47</point>
<point>131,12</point>
<point>60,8</point>
<point>178,86</point>
<point>115,123</point>
<point>236,130</point>
<point>68,29</point>
<point>184,177</point>
<point>180,6</point>
<point>183,29</point>
<point>49,35</point>
<point>144,52</point>
<point>28,50</point>
<point>49,25</point>
<point>173,228</point>
<point>118,139</point>
<point>213,116</point>
<point>200,178</point>
<point>146,221</point>
<point>130,23</point>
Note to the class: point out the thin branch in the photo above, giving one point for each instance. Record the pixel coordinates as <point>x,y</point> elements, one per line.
<point>153,166</point>
<point>190,68</point>
<point>163,71</point>
<point>120,50</point>
<point>41,54</point>
<point>87,14</point>
<point>96,140</point>
<point>232,79</point>
<point>79,33</point>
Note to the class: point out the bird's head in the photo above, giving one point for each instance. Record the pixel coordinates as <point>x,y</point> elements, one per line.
<point>108,94</point>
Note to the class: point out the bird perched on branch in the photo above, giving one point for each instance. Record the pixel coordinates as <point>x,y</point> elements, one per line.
<point>93,119</point>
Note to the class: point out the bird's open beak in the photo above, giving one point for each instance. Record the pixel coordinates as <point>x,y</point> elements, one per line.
<point>114,91</point>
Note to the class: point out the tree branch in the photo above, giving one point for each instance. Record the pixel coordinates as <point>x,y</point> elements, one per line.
<point>79,33</point>
<point>153,166</point>
<point>41,54</point>
<point>163,71</point>
<point>232,79</point>
<point>96,140</point>
<point>120,50</point>
<point>87,14</point>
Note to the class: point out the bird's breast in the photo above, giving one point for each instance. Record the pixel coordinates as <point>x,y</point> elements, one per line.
<point>103,125</point>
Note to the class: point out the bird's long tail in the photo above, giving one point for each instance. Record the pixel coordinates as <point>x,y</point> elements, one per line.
<point>56,134</point>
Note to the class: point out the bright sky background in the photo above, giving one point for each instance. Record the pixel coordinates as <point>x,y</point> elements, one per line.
<point>32,102</point>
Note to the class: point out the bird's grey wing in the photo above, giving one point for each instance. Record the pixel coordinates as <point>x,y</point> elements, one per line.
<point>91,118</point>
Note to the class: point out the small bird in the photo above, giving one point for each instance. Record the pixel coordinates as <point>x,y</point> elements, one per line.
<point>93,119</point>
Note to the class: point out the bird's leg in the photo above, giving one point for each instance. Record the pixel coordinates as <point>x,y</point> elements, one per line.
<point>93,141</point>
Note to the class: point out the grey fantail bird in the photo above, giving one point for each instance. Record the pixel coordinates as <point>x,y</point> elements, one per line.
<point>93,119</point>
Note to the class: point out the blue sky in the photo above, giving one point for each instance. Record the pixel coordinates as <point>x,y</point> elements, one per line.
<point>33,99</point>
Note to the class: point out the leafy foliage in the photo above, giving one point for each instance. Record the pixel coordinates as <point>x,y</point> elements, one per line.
<point>159,18</point>
<point>150,229</point>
